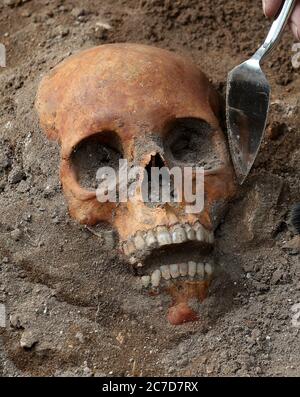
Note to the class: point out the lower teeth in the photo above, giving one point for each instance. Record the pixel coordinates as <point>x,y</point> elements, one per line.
<point>184,271</point>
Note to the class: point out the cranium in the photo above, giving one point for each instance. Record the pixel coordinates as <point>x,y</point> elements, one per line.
<point>151,107</point>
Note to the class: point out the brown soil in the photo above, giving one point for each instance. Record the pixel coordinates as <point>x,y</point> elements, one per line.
<point>67,295</point>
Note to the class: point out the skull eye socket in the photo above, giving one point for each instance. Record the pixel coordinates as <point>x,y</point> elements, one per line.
<point>99,150</point>
<point>189,141</point>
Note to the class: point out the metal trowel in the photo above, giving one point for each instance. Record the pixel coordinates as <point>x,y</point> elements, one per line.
<point>247,100</point>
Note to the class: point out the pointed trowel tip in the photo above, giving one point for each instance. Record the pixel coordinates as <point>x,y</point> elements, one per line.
<point>241,178</point>
<point>241,171</point>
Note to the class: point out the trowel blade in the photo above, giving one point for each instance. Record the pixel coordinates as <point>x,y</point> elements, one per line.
<point>247,105</point>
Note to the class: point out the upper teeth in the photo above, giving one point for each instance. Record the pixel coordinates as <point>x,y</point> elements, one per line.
<point>163,236</point>
<point>191,270</point>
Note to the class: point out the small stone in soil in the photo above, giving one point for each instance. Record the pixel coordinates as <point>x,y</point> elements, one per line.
<point>16,234</point>
<point>16,175</point>
<point>28,339</point>
<point>78,12</point>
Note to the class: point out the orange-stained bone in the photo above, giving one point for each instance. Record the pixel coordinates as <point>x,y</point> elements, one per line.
<point>182,294</point>
<point>135,91</point>
<point>181,313</point>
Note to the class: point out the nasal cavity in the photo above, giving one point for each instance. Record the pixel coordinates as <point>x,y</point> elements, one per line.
<point>156,187</point>
<point>155,161</point>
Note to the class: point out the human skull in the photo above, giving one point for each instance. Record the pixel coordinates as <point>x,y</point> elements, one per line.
<point>152,108</point>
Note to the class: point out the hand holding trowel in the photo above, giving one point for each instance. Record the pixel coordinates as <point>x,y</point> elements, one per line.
<point>247,100</point>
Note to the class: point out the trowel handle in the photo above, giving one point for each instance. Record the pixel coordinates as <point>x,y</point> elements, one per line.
<point>276,30</point>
